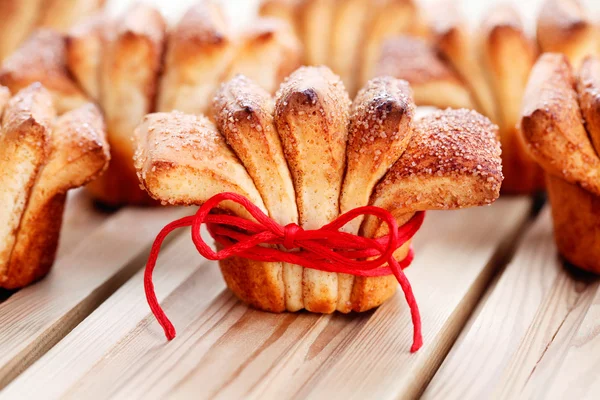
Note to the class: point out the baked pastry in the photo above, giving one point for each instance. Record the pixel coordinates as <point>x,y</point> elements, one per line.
<point>558,140</point>
<point>269,51</point>
<point>346,34</point>
<point>458,45</point>
<point>312,128</point>
<point>119,63</point>
<point>434,82</point>
<point>20,18</point>
<point>128,74</point>
<point>41,58</point>
<point>41,158</point>
<point>564,26</point>
<point>508,55</point>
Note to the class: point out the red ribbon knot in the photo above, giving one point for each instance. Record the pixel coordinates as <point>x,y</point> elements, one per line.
<point>290,232</point>
<point>325,249</point>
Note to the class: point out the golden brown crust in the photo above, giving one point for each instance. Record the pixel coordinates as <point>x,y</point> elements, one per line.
<point>588,88</point>
<point>42,59</point>
<point>379,132</point>
<point>199,52</point>
<point>563,26</point>
<point>269,52</point>
<point>457,44</point>
<point>244,116</point>
<point>83,53</point>
<point>552,124</point>
<point>182,159</point>
<point>508,56</point>
<point>452,161</point>
<point>18,19</point>
<point>576,216</point>
<point>256,283</point>
<point>79,153</point>
<point>433,81</point>
<point>63,14</point>
<point>311,116</point>
<point>128,79</point>
<point>24,146</point>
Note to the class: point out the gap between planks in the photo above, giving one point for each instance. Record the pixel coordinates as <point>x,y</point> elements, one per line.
<point>225,349</point>
<point>98,253</point>
<point>524,339</point>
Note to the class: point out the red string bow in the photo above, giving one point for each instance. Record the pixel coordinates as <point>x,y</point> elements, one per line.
<point>324,249</point>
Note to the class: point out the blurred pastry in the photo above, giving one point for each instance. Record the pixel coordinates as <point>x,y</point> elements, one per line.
<point>508,56</point>
<point>131,62</point>
<point>21,17</point>
<point>315,28</point>
<point>269,51</point>
<point>63,14</point>
<point>387,18</point>
<point>313,131</point>
<point>41,158</point>
<point>199,52</point>
<point>454,40</point>
<point>42,59</point>
<point>84,44</point>
<point>558,140</point>
<point>347,30</point>
<point>564,26</point>
<point>433,81</point>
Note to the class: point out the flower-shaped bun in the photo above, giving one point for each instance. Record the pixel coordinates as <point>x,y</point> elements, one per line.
<point>560,126</point>
<point>308,155</point>
<point>41,158</point>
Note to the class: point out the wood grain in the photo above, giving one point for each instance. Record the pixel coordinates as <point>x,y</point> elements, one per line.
<point>520,334</point>
<point>33,319</point>
<point>81,217</point>
<point>226,350</point>
<point>577,376</point>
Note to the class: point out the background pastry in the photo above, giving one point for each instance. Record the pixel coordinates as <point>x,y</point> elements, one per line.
<point>42,158</point>
<point>558,140</point>
<point>119,63</point>
<point>20,18</point>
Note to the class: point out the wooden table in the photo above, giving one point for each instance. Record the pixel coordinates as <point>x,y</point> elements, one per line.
<point>502,317</point>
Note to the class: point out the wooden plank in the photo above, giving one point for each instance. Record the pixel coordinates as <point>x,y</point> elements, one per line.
<point>33,319</point>
<point>577,377</point>
<point>80,219</point>
<point>225,349</point>
<point>521,332</point>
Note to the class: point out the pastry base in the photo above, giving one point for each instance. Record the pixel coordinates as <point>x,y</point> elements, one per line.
<point>260,284</point>
<point>576,215</point>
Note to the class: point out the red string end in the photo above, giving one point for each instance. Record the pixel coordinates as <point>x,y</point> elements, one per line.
<point>324,249</point>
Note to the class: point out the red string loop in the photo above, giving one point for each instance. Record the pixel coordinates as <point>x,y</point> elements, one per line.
<point>325,249</point>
